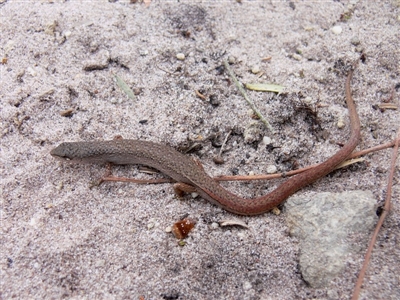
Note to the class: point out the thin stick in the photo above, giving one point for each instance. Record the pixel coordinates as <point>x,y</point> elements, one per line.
<point>138,181</point>
<point>294,172</point>
<point>223,144</point>
<point>242,90</point>
<point>386,209</point>
<point>251,177</point>
<point>372,149</point>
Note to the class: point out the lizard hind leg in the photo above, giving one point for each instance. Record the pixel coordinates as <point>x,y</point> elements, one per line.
<point>181,189</point>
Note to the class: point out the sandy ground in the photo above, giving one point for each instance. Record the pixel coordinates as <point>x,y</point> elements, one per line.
<point>61,239</point>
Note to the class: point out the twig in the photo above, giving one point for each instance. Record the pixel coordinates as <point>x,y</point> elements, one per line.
<point>372,149</point>
<point>138,181</point>
<point>251,177</point>
<point>241,89</point>
<point>294,172</point>
<point>224,142</point>
<point>386,209</point>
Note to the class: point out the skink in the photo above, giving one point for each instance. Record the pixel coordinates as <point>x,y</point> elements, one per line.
<point>184,169</point>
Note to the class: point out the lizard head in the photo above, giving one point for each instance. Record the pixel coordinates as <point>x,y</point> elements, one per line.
<point>66,152</point>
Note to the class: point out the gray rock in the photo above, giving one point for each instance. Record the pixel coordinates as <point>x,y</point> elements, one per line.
<point>323,222</point>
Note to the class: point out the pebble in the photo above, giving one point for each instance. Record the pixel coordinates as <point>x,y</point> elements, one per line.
<point>308,100</point>
<point>231,60</point>
<point>144,52</point>
<point>267,140</point>
<point>340,124</point>
<point>31,71</point>
<point>214,225</point>
<point>255,69</point>
<point>337,29</point>
<point>250,112</point>
<point>151,224</point>
<point>50,27</point>
<point>297,56</point>
<point>271,169</point>
<point>180,56</point>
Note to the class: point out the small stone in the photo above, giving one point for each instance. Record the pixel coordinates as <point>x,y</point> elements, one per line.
<point>31,71</point>
<point>49,205</point>
<point>276,211</point>
<point>214,225</point>
<point>340,124</point>
<point>337,29</point>
<point>150,226</point>
<point>49,28</point>
<point>168,229</point>
<point>271,169</point>
<point>296,56</point>
<point>250,112</point>
<point>180,56</point>
<point>267,140</point>
<point>308,100</point>
<point>255,69</point>
<point>360,49</point>
<point>231,60</point>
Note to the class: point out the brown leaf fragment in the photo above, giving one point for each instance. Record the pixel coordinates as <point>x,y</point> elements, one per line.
<point>182,228</point>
